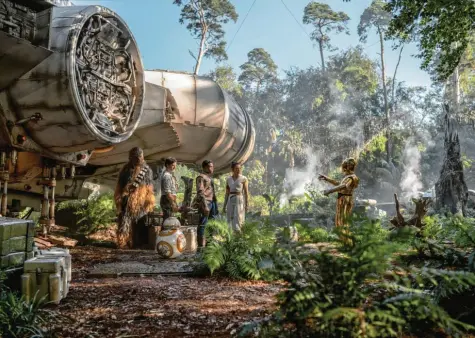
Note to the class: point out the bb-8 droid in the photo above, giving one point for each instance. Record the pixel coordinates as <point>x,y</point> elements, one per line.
<point>171,241</point>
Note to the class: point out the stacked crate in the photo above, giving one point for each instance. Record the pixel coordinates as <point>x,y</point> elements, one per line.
<point>44,273</point>
<point>45,277</point>
<point>16,242</point>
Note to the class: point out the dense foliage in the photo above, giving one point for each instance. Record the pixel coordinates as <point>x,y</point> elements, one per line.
<point>238,254</point>
<point>18,318</point>
<point>442,28</point>
<point>94,214</point>
<point>360,287</point>
<point>205,20</point>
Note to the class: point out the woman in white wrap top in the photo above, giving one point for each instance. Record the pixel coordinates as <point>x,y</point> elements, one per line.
<point>237,198</point>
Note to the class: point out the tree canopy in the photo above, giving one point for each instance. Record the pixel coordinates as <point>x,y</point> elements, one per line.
<point>443,29</point>
<point>205,20</point>
<point>258,70</point>
<point>377,16</point>
<point>324,21</point>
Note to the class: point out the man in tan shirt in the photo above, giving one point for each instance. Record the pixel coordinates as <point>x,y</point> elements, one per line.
<point>169,189</point>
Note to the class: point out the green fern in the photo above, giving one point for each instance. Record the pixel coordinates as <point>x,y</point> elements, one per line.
<point>312,235</point>
<point>237,254</point>
<point>19,318</point>
<point>214,256</point>
<point>348,293</point>
<point>96,213</point>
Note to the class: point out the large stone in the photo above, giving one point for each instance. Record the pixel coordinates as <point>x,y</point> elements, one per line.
<point>133,268</point>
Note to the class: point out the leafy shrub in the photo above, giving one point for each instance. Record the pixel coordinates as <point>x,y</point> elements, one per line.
<point>433,227</point>
<point>322,207</point>
<point>258,204</point>
<point>312,235</point>
<point>18,318</point>
<point>237,254</point>
<point>96,213</point>
<point>459,229</point>
<point>351,292</point>
<point>364,229</point>
<point>296,205</point>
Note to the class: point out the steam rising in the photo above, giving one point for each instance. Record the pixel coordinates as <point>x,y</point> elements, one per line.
<point>410,180</point>
<point>297,179</point>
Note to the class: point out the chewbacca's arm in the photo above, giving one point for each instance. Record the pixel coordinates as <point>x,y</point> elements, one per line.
<point>119,190</point>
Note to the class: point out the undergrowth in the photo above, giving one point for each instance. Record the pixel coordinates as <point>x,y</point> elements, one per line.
<point>354,289</point>
<point>312,235</point>
<point>18,318</point>
<point>238,254</point>
<point>95,214</point>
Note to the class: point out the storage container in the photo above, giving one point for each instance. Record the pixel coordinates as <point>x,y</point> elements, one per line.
<point>191,239</point>
<point>45,276</point>
<point>16,241</point>
<point>15,227</point>
<point>59,252</point>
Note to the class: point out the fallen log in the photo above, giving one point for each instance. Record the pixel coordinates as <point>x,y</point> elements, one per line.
<point>62,241</point>
<point>42,244</point>
<point>422,206</point>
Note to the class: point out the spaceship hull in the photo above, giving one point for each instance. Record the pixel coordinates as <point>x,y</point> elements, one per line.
<point>75,98</point>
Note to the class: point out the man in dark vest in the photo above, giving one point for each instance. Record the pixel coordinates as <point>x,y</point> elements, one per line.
<point>205,200</point>
<point>134,199</point>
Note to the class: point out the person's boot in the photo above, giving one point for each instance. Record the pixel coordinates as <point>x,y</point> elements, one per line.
<point>201,241</point>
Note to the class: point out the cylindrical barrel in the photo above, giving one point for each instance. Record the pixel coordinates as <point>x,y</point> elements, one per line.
<point>90,91</point>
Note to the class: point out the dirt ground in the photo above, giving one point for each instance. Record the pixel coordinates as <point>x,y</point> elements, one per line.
<point>162,306</point>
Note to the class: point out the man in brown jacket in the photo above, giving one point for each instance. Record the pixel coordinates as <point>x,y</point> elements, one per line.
<point>205,200</point>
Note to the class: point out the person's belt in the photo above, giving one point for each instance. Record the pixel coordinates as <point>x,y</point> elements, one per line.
<point>235,193</point>
<point>340,194</point>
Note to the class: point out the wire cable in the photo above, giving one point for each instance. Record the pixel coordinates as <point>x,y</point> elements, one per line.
<point>296,20</point>
<point>240,26</point>
<point>306,33</point>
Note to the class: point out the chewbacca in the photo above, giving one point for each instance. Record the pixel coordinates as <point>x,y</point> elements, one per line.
<point>134,197</point>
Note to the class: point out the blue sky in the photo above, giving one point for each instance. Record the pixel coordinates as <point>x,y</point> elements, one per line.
<point>164,43</point>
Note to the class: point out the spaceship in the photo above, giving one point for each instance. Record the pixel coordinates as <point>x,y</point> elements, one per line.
<point>75,98</point>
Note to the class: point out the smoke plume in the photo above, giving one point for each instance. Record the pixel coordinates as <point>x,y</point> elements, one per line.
<point>297,179</point>
<point>411,183</point>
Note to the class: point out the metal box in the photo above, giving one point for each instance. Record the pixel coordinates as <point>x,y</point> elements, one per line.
<point>45,276</point>
<point>191,239</point>
<point>59,252</point>
<point>15,227</point>
<point>16,242</point>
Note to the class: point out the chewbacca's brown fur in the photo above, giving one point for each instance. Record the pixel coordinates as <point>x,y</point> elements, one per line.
<point>124,240</point>
<point>140,201</point>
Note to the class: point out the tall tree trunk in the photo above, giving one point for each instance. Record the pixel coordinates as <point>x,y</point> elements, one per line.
<point>385,94</point>
<point>456,92</point>
<point>451,189</point>
<point>320,45</point>
<point>201,52</point>
<point>393,99</point>
<point>393,89</point>
<point>258,88</point>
